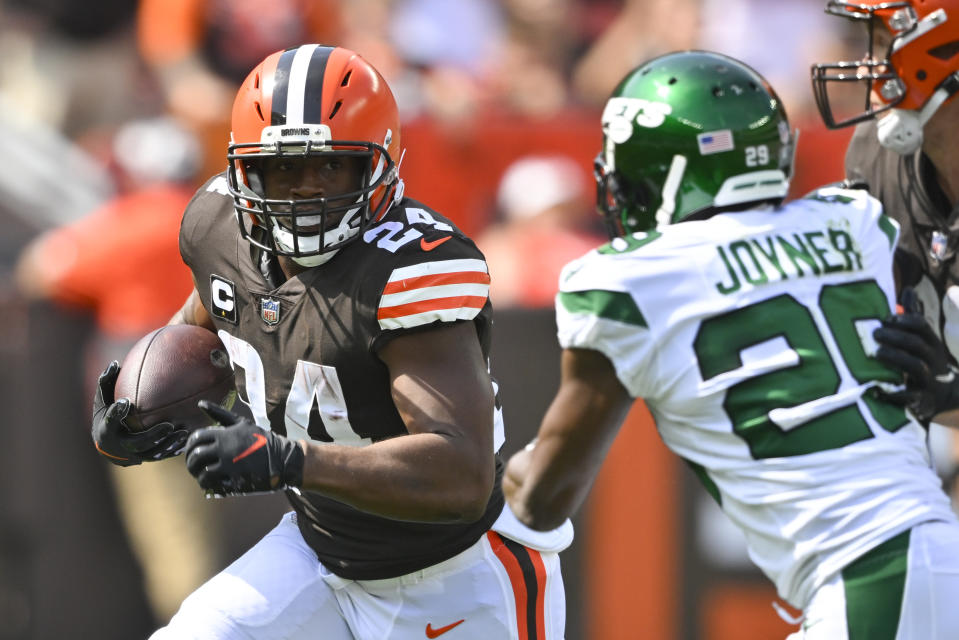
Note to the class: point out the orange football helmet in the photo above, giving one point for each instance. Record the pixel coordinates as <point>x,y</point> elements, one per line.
<point>306,101</point>
<point>916,73</point>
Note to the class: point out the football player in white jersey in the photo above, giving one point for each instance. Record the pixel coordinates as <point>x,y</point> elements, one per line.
<point>746,325</point>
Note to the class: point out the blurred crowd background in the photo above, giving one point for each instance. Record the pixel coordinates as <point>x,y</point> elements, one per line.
<point>112,112</point>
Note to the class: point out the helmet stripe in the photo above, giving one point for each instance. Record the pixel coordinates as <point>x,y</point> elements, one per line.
<point>299,85</point>
<point>313,95</point>
<point>296,93</point>
<point>281,79</point>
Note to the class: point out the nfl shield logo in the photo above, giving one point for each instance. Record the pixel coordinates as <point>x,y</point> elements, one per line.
<point>270,310</point>
<point>938,245</point>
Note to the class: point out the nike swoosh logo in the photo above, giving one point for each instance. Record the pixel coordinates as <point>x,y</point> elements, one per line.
<point>259,443</point>
<point>109,455</point>
<point>436,633</point>
<point>429,246</point>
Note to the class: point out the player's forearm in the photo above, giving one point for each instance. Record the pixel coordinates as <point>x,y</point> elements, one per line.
<point>193,312</point>
<point>534,502</point>
<point>423,477</point>
<point>553,478</point>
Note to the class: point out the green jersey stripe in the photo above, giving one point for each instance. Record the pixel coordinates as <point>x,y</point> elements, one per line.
<point>611,305</point>
<point>874,584</point>
<point>889,228</point>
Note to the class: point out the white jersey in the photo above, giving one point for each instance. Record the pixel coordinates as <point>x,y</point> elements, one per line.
<point>749,337</point>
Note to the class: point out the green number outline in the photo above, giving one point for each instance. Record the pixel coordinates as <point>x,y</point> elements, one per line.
<point>721,339</point>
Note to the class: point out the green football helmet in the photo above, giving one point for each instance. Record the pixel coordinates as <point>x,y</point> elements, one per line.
<point>688,134</point>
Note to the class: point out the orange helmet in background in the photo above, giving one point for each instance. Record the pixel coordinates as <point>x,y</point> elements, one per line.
<point>911,79</point>
<point>307,101</point>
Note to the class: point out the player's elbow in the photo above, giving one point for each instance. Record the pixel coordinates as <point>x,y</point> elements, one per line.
<point>473,488</point>
<point>477,496</point>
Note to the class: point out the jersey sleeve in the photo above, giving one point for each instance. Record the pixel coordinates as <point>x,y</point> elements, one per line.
<point>438,277</point>
<point>200,216</point>
<point>433,291</point>
<point>596,309</point>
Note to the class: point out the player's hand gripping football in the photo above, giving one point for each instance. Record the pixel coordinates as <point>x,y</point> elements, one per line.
<point>909,344</point>
<point>114,440</point>
<point>240,457</point>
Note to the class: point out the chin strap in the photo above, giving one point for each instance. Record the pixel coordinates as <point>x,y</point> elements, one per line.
<point>671,186</point>
<point>315,261</point>
<point>901,129</point>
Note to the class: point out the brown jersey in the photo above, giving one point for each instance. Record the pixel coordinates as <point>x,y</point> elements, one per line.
<point>929,237</point>
<point>305,355</point>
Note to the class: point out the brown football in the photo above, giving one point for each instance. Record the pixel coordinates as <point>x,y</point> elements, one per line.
<point>168,370</point>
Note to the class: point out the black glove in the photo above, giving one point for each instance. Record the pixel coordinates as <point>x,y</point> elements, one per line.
<point>240,457</point>
<point>909,344</point>
<point>114,440</point>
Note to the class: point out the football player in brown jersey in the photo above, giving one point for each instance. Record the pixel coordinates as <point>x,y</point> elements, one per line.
<point>903,151</point>
<point>358,323</point>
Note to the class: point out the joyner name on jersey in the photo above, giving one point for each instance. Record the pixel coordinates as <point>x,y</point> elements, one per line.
<point>775,257</point>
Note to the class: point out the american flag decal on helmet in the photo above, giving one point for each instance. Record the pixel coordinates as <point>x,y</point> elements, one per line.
<point>444,290</point>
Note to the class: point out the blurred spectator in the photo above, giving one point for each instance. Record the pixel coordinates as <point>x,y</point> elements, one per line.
<point>121,263</point>
<point>483,112</point>
<point>781,45</point>
<point>527,81</point>
<point>642,29</point>
<point>798,31</point>
<point>425,31</point>
<point>65,66</point>
<point>69,65</point>
<point>546,206</point>
<point>366,27</point>
<point>201,50</point>
<point>474,154</point>
<point>79,20</point>
<point>34,194</point>
<point>437,67</point>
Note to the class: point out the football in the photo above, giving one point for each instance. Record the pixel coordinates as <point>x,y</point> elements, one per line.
<point>168,371</point>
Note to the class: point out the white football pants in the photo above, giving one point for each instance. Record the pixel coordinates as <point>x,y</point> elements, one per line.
<point>909,593</point>
<point>278,590</point>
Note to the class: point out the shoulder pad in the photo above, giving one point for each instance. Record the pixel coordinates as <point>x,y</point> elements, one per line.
<point>848,184</point>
